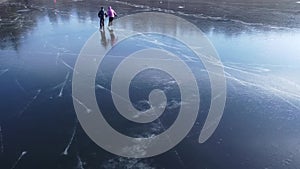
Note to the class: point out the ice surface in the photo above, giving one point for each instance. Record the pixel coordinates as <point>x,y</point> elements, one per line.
<point>40,42</point>
<point>125,163</point>
<point>199,15</point>
<point>287,90</point>
<point>1,140</point>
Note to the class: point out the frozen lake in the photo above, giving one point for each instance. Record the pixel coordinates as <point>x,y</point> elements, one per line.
<point>41,41</point>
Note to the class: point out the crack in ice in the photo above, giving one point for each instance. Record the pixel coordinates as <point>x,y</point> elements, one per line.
<point>80,163</point>
<point>159,121</point>
<point>29,103</point>
<point>3,71</point>
<point>290,90</point>
<point>63,85</point>
<point>82,104</point>
<point>18,160</point>
<point>113,93</point>
<point>71,140</point>
<point>67,65</point>
<point>20,86</point>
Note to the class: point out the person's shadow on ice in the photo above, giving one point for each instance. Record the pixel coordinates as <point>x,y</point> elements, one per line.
<point>105,41</point>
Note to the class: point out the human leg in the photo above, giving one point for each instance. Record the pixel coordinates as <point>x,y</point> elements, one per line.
<point>110,21</point>
<point>101,23</point>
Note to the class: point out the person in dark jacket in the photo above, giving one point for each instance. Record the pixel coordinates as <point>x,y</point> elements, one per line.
<point>102,14</point>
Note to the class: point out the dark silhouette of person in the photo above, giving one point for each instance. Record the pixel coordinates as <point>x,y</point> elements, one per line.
<point>112,37</point>
<point>104,42</point>
<point>26,3</point>
<point>102,14</point>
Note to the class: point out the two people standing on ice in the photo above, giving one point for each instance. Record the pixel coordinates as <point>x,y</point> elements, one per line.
<point>111,14</point>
